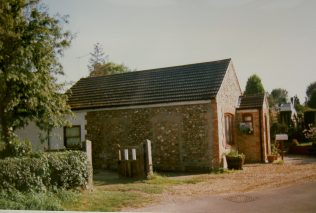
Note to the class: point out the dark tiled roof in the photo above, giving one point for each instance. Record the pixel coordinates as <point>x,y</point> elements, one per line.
<point>251,101</point>
<point>191,82</point>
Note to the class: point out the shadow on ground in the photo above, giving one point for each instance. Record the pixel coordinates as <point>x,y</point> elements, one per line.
<point>107,177</point>
<point>299,159</point>
<point>110,177</point>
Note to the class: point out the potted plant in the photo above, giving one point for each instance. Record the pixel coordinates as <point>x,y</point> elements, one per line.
<point>274,153</point>
<point>235,160</point>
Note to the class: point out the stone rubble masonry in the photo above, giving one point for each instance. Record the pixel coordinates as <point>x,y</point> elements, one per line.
<point>226,102</point>
<point>184,137</point>
<point>181,135</point>
<point>216,160</point>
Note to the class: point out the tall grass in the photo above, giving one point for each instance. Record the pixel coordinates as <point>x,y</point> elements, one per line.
<point>16,200</point>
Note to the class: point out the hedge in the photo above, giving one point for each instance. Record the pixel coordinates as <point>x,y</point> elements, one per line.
<point>44,171</point>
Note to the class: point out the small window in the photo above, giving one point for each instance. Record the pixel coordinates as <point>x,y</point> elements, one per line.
<point>247,121</point>
<point>229,129</point>
<point>72,137</point>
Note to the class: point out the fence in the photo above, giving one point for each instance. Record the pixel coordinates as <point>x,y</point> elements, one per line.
<point>135,161</point>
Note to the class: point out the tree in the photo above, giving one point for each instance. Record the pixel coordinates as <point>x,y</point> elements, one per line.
<point>98,65</point>
<point>278,96</point>
<point>311,95</point>
<point>97,57</point>
<point>312,100</point>
<point>31,43</point>
<point>310,89</point>
<point>297,104</point>
<point>300,111</point>
<point>254,85</point>
<point>109,68</point>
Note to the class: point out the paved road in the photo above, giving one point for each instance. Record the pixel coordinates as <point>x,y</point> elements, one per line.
<point>299,198</point>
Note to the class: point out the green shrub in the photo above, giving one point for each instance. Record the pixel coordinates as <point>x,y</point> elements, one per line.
<point>277,128</point>
<point>2,146</point>
<point>24,174</point>
<point>15,148</point>
<point>68,169</point>
<point>275,148</point>
<point>235,154</point>
<point>43,172</point>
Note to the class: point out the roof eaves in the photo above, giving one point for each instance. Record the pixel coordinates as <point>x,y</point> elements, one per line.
<point>179,103</point>
<point>255,107</point>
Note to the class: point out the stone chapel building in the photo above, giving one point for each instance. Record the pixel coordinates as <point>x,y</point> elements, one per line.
<point>189,113</point>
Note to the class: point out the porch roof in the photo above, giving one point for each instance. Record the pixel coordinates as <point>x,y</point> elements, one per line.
<point>251,101</point>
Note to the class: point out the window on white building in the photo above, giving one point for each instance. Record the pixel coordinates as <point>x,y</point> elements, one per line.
<point>72,137</point>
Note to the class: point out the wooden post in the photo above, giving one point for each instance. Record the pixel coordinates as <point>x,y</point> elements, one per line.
<point>88,149</point>
<point>148,159</point>
<point>281,138</point>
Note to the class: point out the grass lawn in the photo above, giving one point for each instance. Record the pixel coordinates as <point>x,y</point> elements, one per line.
<point>112,193</point>
<point>306,144</point>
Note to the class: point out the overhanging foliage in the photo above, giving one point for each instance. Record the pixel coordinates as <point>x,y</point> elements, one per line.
<point>31,43</point>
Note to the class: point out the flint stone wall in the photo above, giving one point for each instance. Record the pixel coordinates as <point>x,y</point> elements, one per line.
<point>181,135</point>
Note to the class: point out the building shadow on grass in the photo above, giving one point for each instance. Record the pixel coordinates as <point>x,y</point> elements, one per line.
<point>110,177</point>
<point>107,177</point>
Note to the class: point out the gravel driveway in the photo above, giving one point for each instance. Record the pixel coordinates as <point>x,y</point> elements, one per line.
<point>293,199</point>
<point>254,177</point>
<point>294,170</point>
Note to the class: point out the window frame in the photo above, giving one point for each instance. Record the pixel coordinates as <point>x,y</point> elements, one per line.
<point>65,137</point>
<point>229,129</point>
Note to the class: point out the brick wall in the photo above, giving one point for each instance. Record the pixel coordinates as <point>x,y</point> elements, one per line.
<point>250,145</point>
<point>255,146</point>
<point>181,135</point>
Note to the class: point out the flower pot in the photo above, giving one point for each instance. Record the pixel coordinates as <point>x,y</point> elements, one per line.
<point>272,158</point>
<point>235,162</point>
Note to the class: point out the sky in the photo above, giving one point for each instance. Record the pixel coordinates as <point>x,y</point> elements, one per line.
<point>275,39</point>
